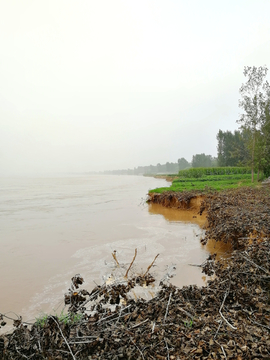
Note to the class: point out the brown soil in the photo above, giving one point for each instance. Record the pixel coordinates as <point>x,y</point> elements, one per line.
<point>185,200</point>
<point>166,177</point>
<point>238,216</point>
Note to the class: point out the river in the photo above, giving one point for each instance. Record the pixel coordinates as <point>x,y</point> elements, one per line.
<point>52,228</point>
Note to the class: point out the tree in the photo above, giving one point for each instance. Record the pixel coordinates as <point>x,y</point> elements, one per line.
<point>225,144</point>
<point>232,148</point>
<point>240,150</point>
<point>159,168</point>
<point>202,160</point>
<point>262,150</point>
<point>183,164</point>
<point>254,95</point>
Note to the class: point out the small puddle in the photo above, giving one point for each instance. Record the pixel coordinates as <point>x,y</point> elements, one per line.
<point>223,250</point>
<point>195,253</point>
<point>176,215</point>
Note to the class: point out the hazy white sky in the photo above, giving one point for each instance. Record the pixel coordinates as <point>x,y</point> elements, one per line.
<point>109,84</point>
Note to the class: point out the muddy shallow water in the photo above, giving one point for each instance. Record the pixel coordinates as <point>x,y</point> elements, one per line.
<point>52,228</point>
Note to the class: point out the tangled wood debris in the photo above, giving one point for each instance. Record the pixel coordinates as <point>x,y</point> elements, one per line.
<point>227,319</point>
<point>239,216</point>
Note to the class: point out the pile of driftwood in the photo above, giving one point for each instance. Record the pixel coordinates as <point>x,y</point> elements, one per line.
<point>227,319</point>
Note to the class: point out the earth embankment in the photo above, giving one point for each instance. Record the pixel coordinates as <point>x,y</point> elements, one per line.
<point>239,216</point>
<point>180,200</point>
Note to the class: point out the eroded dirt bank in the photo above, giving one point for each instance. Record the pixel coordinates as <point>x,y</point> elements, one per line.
<point>238,216</point>
<point>189,200</point>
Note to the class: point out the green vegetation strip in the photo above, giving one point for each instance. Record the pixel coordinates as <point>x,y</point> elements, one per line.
<point>199,172</point>
<point>214,178</point>
<point>67,319</point>
<point>205,179</point>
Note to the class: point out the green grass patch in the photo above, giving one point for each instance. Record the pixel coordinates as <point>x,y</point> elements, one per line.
<point>200,172</point>
<point>213,182</point>
<point>238,177</point>
<point>69,318</point>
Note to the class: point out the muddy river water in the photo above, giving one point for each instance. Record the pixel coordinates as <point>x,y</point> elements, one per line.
<point>52,228</point>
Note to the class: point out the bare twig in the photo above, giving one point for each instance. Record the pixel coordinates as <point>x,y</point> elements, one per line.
<point>168,355</point>
<point>223,351</point>
<point>137,325</point>
<point>252,262</point>
<point>90,298</point>
<point>131,263</point>
<point>222,348</point>
<point>187,313</point>
<point>149,267</point>
<point>85,337</point>
<point>220,323</point>
<point>24,356</point>
<point>120,313</point>
<point>255,322</point>
<point>115,258</point>
<point>137,348</point>
<point>113,315</point>
<point>10,318</point>
<point>64,338</point>
<point>227,322</point>
<point>82,342</point>
<point>167,309</point>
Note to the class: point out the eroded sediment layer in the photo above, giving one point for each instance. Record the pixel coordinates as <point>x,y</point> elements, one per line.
<point>180,200</point>
<point>238,216</point>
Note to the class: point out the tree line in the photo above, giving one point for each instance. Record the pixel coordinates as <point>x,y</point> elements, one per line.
<point>198,160</point>
<point>247,146</point>
<point>250,145</point>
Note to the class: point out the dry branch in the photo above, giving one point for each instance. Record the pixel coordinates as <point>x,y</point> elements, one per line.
<point>73,356</point>
<point>149,267</point>
<point>227,322</point>
<point>115,258</point>
<point>131,263</point>
<point>167,309</point>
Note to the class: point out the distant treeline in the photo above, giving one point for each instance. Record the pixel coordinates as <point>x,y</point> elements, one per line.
<point>249,146</point>
<point>168,168</point>
<point>198,160</point>
<point>234,149</point>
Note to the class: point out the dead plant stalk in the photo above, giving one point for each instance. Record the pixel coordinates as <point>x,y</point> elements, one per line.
<point>131,263</point>
<point>152,263</point>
